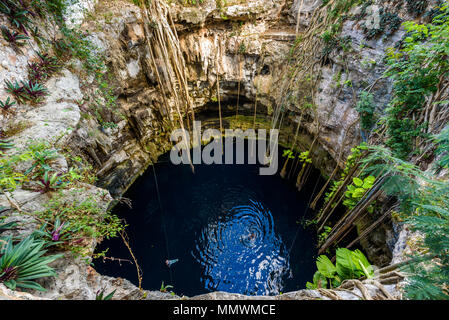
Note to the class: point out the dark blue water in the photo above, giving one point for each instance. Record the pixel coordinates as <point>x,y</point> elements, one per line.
<point>231,229</point>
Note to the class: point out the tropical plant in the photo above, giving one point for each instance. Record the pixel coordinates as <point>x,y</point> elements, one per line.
<point>424,204</point>
<point>34,91</point>
<point>51,183</point>
<point>365,106</point>
<point>14,38</point>
<point>22,263</point>
<point>164,288</point>
<point>5,144</point>
<point>16,90</point>
<point>349,265</point>
<point>44,68</point>
<point>59,234</point>
<point>442,140</point>
<point>288,154</point>
<point>83,220</point>
<point>5,226</point>
<point>417,69</point>
<point>8,104</point>
<point>42,155</point>
<point>100,295</point>
<point>17,13</point>
<point>304,157</point>
<point>356,191</point>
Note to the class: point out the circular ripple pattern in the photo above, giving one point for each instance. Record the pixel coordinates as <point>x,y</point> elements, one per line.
<point>240,252</point>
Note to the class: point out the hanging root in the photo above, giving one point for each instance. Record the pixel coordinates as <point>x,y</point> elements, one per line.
<point>163,44</point>
<point>125,239</point>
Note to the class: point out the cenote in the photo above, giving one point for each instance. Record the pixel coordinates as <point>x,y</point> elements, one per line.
<point>232,230</point>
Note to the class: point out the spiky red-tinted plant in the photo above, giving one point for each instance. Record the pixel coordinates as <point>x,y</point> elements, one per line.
<point>34,91</point>
<point>44,68</point>
<point>8,104</point>
<point>17,13</point>
<point>14,38</point>
<point>16,90</point>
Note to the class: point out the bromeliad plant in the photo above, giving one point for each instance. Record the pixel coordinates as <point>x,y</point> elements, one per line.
<point>34,91</point>
<point>59,234</point>
<point>23,263</point>
<point>349,265</point>
<point>17,13</point>
<point>16,90</point>
<point>6,105</point>
<point>14,38</point>
<point>100,295</point>
<point>51,183</point>
<point>25,91</point>
<point>43,69</point>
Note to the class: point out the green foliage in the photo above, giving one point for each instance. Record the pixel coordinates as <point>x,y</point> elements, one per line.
<point>323,235</point>
<point>24,262</point>
<point>100,295</point>
<point>17,13</point>
<point>40,157</point>
<point>304,157</point>
<point>365,106</point>
<point>7,104</point>
<point>353,158</point>
<point>442,140</point>
<point>14,38</point>
<point>424,204</point>
<point>289,154</point>
<point>49,183</point>
<point>357,190</point>
<point>415,70</point>
<point>84,220</point>
<point>416,7</point>
<point>164,288</point>
<point>349,265</point>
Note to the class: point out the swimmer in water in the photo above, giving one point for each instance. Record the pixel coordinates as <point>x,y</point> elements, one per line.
<point>169,263</point>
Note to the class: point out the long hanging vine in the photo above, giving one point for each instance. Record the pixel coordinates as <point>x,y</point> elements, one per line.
<point>163,46</point>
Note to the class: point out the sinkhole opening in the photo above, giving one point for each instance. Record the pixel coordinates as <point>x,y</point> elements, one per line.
<point>224,228</point>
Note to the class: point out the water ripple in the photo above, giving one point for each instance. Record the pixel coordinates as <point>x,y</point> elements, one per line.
<point>240,252</point>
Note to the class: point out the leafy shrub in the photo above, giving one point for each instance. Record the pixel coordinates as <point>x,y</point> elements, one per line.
<point>415,70</point>
<point>443,147</point>
<point>349,265</point>
<point>288,154</point>
<point>51,183</point>
<point>24,262</point>
<point>84,220</point>
<point>424,205</point>
<point>365,106</point>
<point>357,190</point>
<point>8,104</point>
